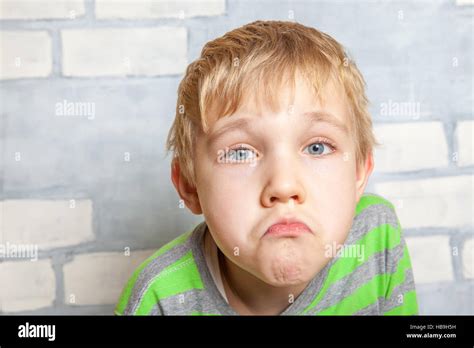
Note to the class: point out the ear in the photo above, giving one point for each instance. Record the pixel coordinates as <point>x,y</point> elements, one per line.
<point>363,171</point>
<point>186,192</point>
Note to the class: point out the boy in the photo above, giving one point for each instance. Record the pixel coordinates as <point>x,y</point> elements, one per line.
<point>272,143</point>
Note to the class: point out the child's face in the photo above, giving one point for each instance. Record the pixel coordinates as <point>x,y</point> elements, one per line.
<point>286,170</point>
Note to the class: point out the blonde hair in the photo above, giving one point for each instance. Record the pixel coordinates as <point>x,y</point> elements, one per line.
<point>261,54</point>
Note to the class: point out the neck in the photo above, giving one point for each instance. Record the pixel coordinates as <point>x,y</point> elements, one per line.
<point>248,295</point>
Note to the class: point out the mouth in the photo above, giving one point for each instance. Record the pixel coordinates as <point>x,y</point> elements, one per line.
<point>288,228</point>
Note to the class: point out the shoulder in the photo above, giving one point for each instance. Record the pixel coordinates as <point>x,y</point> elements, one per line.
<point>162,275</point>
<point>371,200</point>
<point>376,220</point>
<point>372,206</point>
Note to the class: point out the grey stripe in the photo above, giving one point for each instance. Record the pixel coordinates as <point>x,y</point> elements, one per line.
<point>373,309</point>
<point>370,218</point>
<point>186,303</point>
<point>383,305</point>
<point>384,261</point>
<point>207,300</point>
<point>344,287</point>
<point>214,299</point>
<point>364,222</point>
<point>406,286</point>
<point>309,293</point>
<point>151,271</point>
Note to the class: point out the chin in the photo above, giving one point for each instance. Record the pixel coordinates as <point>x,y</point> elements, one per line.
<point>286,274</point>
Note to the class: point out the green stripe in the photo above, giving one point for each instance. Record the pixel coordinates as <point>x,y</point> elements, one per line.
<point>380,238</point>
<point>408,307</point>
<point>371,291</point>
<point>367,200</point>
<point>127,292</point>
<point>398,277</point>
<point>181,276</point>
<point>202,313</point>
<point>363,297</point>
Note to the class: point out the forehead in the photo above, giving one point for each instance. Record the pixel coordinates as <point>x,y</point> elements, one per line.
<point>300,95</point>
<point>299,99</point>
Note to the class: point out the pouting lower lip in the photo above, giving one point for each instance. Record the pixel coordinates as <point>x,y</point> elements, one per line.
<point>291,229</point>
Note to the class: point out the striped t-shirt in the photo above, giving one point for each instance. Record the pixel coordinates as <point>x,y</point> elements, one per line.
<point>176,280</point>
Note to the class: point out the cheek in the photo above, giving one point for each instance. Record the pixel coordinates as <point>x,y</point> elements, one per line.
<point>329,179</point>
<point>232,190</point>
<point>228,196</point>
<point>331,188</point>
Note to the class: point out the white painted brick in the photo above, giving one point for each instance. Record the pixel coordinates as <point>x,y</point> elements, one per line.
<point>25,54</point>
<point>119,52</point>
<point>464,2</point>
<point>410,146</point>
<point>468,258</point>
<point>48,224</point>
<point>26,285</point>
<point>465,142</point>
<point>437,202</point>
<point>158,8</point>
<point>430,258</point>
<point>44,9</point>
<point>99,278</point>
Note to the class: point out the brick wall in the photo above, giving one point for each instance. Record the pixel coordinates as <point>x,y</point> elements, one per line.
<point>88,91</point>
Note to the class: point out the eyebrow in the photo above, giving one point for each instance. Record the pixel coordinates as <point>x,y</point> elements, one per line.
<point>326,117</point>
<point>243,124</point>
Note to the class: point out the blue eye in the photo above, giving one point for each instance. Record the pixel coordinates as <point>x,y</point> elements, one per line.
<point>240,155</point>
<point>319,148</point>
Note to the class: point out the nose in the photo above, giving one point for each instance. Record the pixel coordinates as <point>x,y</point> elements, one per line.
<point>283,184</point>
